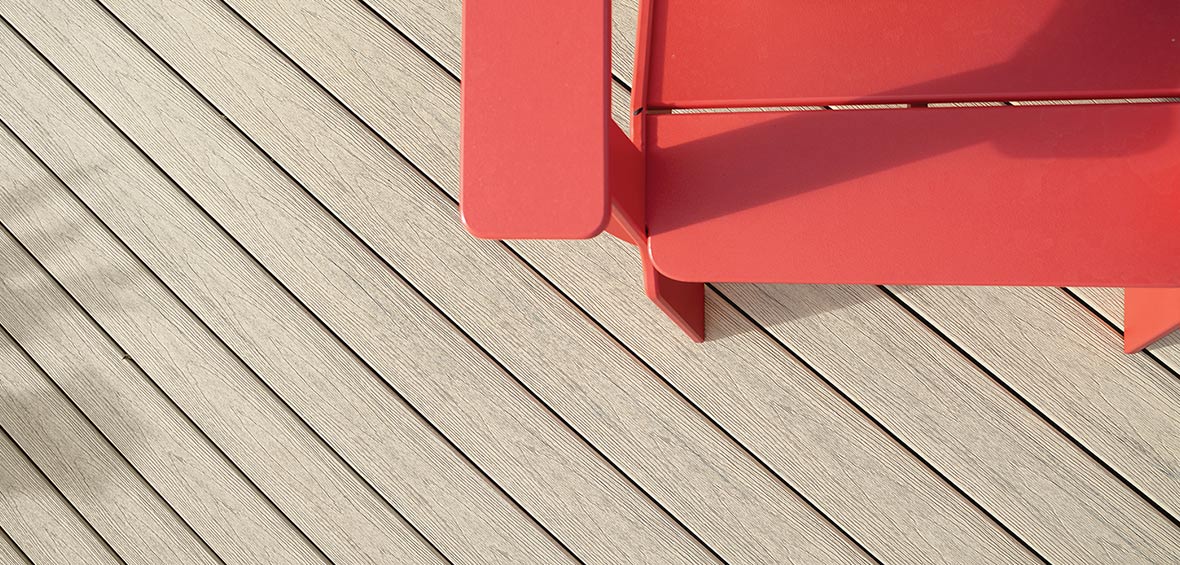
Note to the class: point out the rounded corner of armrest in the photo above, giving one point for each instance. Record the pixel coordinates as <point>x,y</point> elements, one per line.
<point>593,225</point>
<point>587,226</point>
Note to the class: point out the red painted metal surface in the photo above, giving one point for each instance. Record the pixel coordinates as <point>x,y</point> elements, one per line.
<point>1045,195</point>
<point>536,100</point>
<point>1151,313</point>
<point>1062,195</point>
<point>725,53</point>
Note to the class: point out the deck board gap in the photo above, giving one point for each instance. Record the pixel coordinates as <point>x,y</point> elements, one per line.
<point>6,539</point>
<point>552,286</point>
<point>126,356</point>
<point>876,422</point>
<point>322,324</point>
<point>74,509</point>
<point>86,417</point>
<point>369,485</point>
<point>932,327</point>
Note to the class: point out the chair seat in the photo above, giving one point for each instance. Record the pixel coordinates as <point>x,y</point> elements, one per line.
<point>1080,195</point>
<point>724,53</point>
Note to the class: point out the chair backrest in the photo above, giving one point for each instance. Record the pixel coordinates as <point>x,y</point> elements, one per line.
<point>733,53</point>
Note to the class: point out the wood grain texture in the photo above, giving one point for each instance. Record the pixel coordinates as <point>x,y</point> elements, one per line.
<point>428,481</point>
<point>10,552</point>
<point>1108,302</point>
<point>376,85</point>
<point>831,349</point>
<point>33,513</point>
<point>1068,364</point>
<point>67,447</point>
<point>493,419</point>
<point>211,495</point>
<point>431,25</point>
<point>1061,501</point>
<point>316,490</point>
<point>531,349</point>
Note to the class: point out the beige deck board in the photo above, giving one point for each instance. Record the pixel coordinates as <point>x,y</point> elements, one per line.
<point>10,552</point>
<point>428,481</point>
<point>363,64</point>
<point>33,513</point>
<point>367,154</point>
<point>266,441</point>
<point>374,372</point>
<point>1108,302</point>
<point>490,417</point>
<point>1062,502</point>
<point>155,437</point>
<point>100,483</point>
<point>1124,408</point>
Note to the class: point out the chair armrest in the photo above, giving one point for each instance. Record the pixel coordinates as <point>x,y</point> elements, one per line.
<point>536,113</point>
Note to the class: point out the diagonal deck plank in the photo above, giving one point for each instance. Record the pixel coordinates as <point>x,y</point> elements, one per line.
<point>1050,350</point>
<point>10,552</point>
<point>363,65</point>
<point>1108,303</point>
<point>255,201</point>
<point>33,514</point>
<point>968,426</point>
<point>105,488</point>
<point>205,492</point>
<point>1050,532</point>
<point>369,308</point>
<point>430,24</point>
<point>433,485</point>
<point>266,442</point>
<point>304,127</point>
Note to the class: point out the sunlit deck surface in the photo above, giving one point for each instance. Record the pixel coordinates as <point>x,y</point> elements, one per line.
<point>242,323</point>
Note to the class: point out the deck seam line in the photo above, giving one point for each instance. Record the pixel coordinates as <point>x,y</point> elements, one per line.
<point>238,245</point>
<point>879,424</point>
<point>324,326</point>
<point>91,423</point>
<point>203,325</point>
<point>765,331</point>
<point>422,49</point>
<point>586,314</point>
<point>130,358</point>
<point>945,338</point>
<point>4,534</point>
<point>4,331</point>
<point>650,368</point>
<point>930,326</point>
<point>1109,322</point>
<point>422,295</point>
<point>440,310</point>
<point>406,36</point>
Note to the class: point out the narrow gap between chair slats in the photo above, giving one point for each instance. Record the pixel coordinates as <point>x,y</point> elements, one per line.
<point>623,83</point>
<point>603,328</point>
<point>963,104</point>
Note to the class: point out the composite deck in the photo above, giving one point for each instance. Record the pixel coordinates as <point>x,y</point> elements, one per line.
<point>242,323</point>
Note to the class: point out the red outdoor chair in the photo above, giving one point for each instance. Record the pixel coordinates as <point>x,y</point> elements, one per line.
<point>928,193</point>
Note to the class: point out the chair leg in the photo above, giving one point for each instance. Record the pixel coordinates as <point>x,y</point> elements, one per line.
<point>682,301</point>
<point>1150,314</point>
